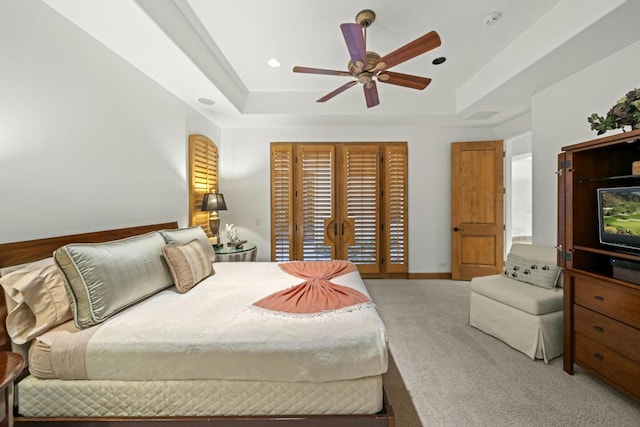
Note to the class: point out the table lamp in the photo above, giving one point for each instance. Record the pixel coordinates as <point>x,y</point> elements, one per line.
<point>214,202</point>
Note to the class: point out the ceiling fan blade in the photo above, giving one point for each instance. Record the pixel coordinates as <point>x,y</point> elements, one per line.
<point>337,91</point>
<point>371,94</point>
<point>355,43</point>
<point>423,44</point>
<point>320,71</point>
<point>406,80</point>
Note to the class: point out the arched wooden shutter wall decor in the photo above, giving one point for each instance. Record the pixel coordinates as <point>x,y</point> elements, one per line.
<point>203,173</point>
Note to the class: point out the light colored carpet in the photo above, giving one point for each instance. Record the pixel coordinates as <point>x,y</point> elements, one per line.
<point>457,375</point>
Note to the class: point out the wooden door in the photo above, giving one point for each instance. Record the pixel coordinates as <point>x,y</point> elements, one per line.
<point>561,173</point>
<point>477,209</point>
<point>315,202</point>
<point>283,226</point>
<point>395,210</point>
<point>359,212</point>
<point>341,201</point>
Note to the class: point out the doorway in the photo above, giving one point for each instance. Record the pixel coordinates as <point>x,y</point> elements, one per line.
<point>477,208</point>
<point>518,191</point>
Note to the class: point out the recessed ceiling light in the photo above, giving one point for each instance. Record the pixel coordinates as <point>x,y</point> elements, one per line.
<point>492,18</point>
<point>206,101</point>
<point>439,60</point>
<point>273,63</point>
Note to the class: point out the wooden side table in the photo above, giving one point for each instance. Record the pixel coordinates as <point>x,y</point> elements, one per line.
<point>11,365</point>
<point>246,252</point>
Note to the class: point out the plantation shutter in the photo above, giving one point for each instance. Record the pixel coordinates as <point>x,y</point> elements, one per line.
<point>361,202</point>
<point>341,201</point>
<point>282,226</point>
<point>396,208</point>
<point>315,201</point>
<point>203,172</point>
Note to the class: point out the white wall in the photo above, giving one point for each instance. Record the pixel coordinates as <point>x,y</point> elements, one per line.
<point>513,128</point>
<point>87,142</point>
<point>245,182</point>
<point>559,118</point>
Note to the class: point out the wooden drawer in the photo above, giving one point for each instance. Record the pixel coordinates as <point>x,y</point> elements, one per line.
<point>614,335</point>
<point>614,301</point>
<point>612,366</point>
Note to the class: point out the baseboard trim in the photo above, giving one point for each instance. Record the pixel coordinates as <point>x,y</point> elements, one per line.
<point>444,276</point>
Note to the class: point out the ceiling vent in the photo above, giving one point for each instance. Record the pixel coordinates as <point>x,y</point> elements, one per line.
<point>482,115</point>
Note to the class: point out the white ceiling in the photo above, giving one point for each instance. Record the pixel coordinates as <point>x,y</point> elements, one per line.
<point>219,50</point>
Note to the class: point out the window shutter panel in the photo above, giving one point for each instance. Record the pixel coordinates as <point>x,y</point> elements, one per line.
<point>282,225</point>
<point>315,201</point>
<point>361,196</point>
<point>396,208</point>
<point>203,172</point>
<point>341,201</point>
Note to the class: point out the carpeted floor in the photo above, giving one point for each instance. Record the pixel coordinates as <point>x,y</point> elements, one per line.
<point>457,375</point>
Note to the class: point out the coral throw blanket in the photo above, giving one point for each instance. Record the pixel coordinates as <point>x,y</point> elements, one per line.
<point>316,294</point>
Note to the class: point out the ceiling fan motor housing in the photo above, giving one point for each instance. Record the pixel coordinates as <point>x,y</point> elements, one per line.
<point>372,59</point>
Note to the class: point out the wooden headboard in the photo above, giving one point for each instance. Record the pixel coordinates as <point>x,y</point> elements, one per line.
<point>35,250</point>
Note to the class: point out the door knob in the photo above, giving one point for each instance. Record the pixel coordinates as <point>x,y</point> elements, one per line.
<point>457,229</point>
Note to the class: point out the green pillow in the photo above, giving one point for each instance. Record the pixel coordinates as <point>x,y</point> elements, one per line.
<point>103,278</point>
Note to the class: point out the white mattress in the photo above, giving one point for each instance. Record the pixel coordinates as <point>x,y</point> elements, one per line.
<point>213,332</point>
<point>93,398</point>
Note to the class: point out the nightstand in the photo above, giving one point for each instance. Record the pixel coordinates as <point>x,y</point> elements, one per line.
<point>11,365</point>
<point>246,252</point>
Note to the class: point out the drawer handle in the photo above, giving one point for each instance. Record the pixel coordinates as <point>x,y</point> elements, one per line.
<point>598,356</point>
<point>599,328</point>
<point>598,298</point>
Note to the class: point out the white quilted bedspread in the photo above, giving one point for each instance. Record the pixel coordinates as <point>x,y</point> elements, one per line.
<point>60,398</point>
<point>212,332</point>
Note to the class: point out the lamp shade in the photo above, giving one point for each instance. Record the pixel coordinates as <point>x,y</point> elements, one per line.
<point>213,202</point>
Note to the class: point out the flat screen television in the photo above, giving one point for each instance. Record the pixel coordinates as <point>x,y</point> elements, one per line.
<point>619,217</point>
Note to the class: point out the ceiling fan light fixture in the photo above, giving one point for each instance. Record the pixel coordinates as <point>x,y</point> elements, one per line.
<point>439,60</point>
<point>365,78</point>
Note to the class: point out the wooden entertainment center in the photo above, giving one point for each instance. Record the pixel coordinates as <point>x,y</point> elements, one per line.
<point>601,312</point>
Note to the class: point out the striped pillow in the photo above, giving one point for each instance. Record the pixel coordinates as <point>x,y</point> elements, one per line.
<point>189,264</point>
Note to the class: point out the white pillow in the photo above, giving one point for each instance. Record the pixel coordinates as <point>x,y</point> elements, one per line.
<point>539,273</point>
<point>36,300</point>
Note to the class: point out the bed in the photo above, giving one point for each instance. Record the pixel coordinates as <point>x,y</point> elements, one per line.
<point>249,364</point>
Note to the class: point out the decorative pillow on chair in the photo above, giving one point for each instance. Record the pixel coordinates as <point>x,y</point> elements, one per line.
<point>189,264</point>
<point>538,273</point>
<point>36,300</point>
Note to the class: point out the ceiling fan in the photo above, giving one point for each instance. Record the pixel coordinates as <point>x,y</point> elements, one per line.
<point>366,66</point>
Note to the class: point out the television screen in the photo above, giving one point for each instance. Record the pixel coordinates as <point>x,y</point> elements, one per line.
<point>619,216</point>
